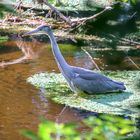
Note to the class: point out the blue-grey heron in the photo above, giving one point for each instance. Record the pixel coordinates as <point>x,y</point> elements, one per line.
<point>79,79</point>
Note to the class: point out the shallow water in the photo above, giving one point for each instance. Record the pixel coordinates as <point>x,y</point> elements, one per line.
<point>21,104</point>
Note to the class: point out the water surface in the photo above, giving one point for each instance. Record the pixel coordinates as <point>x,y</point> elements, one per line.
<point>21,104</point>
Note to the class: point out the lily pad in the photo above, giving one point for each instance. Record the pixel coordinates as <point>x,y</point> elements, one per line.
<point>121,103</point>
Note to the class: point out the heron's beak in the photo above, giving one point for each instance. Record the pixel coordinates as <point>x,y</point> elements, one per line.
<point>31,32</point>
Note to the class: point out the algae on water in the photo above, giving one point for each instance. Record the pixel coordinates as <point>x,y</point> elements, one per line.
<point>124,103</point>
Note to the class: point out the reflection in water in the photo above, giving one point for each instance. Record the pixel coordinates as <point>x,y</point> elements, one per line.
<point>30,50</point>
<point>115,60</point>
<point>21,104</point>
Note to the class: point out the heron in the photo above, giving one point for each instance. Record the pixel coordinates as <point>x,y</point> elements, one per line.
<point>79,79</point>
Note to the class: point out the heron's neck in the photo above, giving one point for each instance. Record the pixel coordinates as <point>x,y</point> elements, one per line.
<point>62,64</point>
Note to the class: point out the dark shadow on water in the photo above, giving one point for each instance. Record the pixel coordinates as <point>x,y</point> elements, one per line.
<point>30,52</point>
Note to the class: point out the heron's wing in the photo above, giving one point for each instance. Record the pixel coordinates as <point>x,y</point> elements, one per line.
<point>91,75</point>
<point>92,82</point>
<point>88,74</point>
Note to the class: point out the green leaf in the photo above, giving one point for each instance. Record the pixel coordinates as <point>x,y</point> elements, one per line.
<point>4,7</point>
<point>134,1</point>
<point>3,39</point>
<point>49,130</point>
<point>45,130</point>
<point>29,134</point>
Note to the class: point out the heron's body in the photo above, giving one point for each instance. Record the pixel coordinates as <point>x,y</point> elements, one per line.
<point>80,79</point>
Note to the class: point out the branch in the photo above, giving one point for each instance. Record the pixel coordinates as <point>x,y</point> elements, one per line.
<point>81,21</point>
<point>58,13</point>
<point>94,63</point>
<point>132,61</point>
<point>129,41</point>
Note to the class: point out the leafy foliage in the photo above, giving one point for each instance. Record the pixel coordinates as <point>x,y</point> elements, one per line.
<point>131,1</point>
<point>3,39</point>
<point>4,7</point>
<point>103,128</point>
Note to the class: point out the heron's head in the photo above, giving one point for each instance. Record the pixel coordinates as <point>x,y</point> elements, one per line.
<point>43,29</point>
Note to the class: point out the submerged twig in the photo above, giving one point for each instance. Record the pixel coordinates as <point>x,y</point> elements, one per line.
<point>59,115</point>
<point>132,61</point>
<point>94,63</point>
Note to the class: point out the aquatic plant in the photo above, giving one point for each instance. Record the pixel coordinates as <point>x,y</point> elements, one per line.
<point>3,39</point>
<point>123,103</point>
<point>103,127</point>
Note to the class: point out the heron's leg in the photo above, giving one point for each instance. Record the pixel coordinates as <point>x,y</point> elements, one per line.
<point>82,94</point>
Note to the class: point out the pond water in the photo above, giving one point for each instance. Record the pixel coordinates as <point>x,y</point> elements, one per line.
<point>21,104</point>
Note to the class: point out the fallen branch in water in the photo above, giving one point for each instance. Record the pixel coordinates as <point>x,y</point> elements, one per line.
<point>132,61</point>
<point>94,63</point>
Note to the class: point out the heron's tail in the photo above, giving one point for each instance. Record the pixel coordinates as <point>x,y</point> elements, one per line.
<point>119,85</point>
